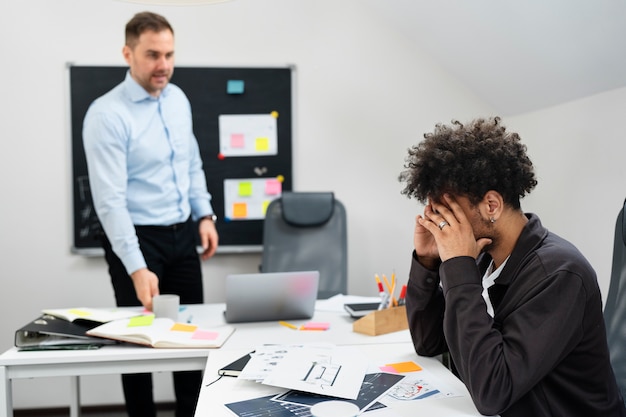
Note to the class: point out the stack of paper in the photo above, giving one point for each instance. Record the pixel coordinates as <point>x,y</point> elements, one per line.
<point>313,374</point>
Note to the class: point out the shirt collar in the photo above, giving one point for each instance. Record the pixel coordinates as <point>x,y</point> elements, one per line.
<point>137,93</point>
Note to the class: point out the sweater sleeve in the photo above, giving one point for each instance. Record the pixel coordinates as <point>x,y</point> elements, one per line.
<point>500,362</point>
<point>425,307</point>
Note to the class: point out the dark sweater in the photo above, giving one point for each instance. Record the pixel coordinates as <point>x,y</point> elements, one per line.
<point>545,351</point>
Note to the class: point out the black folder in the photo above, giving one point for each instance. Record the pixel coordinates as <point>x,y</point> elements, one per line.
<point>48,332</point>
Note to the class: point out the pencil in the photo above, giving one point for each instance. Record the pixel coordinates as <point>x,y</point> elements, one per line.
<point>291,326</point>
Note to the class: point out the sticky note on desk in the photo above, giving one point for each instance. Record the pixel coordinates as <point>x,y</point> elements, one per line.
<point>140,321</point>
<point>182,327</point>
<point>315,326</point>
<point>404,366</point>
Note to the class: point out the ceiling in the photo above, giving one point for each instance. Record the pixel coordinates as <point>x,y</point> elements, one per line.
<point>519,56</point>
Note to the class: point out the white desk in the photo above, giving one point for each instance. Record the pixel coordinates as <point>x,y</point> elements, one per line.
<point>228,389</point>
<point>130,359</point>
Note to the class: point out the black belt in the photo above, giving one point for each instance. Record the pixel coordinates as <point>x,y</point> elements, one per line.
<point>174,226</point>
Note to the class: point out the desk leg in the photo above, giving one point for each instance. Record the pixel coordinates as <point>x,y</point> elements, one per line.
<point>6,409</point>
<point>75,396</point>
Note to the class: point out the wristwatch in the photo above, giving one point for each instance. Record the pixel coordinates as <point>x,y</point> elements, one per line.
<point>211,217</point>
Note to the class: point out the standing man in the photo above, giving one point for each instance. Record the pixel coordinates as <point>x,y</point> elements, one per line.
<point>148,186</point>
<point>517,307</point>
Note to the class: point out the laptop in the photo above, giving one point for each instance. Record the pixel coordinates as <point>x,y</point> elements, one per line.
<point>268,296</point>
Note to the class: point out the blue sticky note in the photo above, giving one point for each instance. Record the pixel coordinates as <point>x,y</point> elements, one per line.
<point>235,87</point>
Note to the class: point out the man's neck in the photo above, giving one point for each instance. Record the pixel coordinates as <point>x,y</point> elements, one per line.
<point>509,227</point>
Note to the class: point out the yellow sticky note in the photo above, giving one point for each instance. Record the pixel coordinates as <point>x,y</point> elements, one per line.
<point>182,327</point>
<point>405,366</point>
<point>140,321</point>
<point>245,189</point>
<point>262,144</point>
<point>264,206</point>
<point>80,313</point>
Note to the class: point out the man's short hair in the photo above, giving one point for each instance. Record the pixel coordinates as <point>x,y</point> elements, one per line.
<point>142,22</point>
<point>469,160</point>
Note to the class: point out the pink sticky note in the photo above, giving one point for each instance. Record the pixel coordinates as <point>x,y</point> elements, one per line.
<point>205,335</point>
<point>273,187</point>
<point>315,326</point>
<point>389,369</point>
<point>237,140</point>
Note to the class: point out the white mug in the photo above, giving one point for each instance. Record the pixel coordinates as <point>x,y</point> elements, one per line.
<point>166,305</point>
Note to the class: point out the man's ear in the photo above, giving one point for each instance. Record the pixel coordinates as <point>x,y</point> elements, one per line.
<point>492,204</point>
<point>126,52</point>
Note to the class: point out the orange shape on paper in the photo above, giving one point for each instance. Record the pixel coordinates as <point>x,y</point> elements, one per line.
<point>405,366</point>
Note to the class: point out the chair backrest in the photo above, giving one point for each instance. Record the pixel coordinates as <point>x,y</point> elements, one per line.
<point>615,306</point>
<point>305,231</point>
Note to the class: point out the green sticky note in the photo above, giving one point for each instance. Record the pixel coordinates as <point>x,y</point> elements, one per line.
<point>245,189</point>
<point>141,321</point>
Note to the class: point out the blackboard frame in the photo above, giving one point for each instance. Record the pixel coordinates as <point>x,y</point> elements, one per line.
<point>266,90</point>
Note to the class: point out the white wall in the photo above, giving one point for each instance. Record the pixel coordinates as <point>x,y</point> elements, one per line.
<point>578,149</point>
<point>385,94</point>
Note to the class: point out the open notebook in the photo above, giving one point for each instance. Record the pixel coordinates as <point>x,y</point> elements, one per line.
<point>271,296</point>
<point>162,333</point>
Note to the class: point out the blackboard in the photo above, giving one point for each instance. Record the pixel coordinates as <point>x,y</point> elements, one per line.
<point>213,92</point>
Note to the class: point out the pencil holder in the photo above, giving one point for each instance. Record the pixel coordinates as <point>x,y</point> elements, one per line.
<point>382,321</point>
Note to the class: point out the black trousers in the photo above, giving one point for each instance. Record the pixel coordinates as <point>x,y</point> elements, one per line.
<point>170,252</point>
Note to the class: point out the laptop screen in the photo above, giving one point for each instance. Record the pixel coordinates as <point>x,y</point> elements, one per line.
<point>271,296</point>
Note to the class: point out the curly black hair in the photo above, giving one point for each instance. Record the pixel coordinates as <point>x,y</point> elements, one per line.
<point>469,160</point>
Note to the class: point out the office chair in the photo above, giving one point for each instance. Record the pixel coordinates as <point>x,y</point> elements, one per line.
<point>307,231</point>
<point>615,306</point>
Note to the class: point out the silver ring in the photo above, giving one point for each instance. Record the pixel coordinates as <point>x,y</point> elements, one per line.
<point>443,224</point>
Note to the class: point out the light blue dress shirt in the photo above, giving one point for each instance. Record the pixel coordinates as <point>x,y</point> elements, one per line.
<point>144,164</point>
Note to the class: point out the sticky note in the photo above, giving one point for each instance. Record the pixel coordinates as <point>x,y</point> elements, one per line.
<point>245,189</point>
<point>315,326</point>
<point>262,144</point>
<point>235,87</point>
<point>182,327</point>
<point>141,321</point>
<point>264,206</point>
<point>405,366</point>
<point>80,313</point>
<point>237,140</point>
<point>205,335</point>
<point>389,369</point>
<point>273,187</point>
<point>240,210</point>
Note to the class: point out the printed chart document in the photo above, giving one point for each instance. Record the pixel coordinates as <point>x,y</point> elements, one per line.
<point>298,403</point>
<point>325,369</point>
<point>162,333</point>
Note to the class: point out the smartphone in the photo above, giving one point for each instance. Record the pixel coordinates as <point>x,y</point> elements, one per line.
<point>360,309</point>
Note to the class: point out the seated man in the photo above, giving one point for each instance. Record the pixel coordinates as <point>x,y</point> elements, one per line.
<point>517,307</point>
